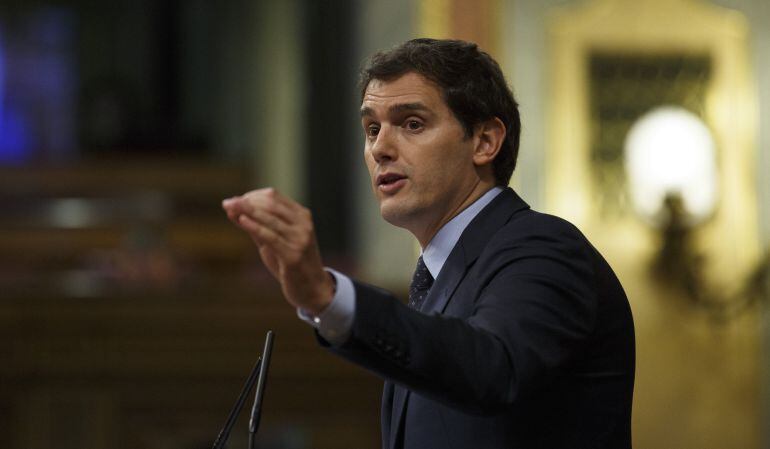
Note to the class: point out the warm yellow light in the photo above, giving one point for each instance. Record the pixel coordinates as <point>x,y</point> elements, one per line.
<point>670,151</point>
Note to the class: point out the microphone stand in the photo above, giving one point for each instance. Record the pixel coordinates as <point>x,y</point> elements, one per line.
<point>258,374</point>
<point>256,409</point>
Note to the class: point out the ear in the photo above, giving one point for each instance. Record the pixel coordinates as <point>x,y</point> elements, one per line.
<point>490,135</point>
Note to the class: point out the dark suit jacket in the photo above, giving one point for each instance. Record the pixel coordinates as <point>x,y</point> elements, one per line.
<point>525,340</point>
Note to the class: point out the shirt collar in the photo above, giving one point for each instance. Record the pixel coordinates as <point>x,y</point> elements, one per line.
<point>436,253</point>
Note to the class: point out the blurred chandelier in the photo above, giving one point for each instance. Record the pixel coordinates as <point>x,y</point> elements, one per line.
<point>670,161</point>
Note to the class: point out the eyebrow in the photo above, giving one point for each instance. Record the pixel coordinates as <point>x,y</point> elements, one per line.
<point>396,108</point>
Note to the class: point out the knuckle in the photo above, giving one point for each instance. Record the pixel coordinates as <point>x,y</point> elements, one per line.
<point>271,193</point>
<point>271,206</point>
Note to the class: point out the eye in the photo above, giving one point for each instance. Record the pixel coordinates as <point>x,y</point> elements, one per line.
<point>413,125</point>
<point>372,130</point>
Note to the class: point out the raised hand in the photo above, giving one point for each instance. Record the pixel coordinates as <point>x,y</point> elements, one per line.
<point>283,231</point>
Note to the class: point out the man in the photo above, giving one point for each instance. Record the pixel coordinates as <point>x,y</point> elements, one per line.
<point>517,333</point>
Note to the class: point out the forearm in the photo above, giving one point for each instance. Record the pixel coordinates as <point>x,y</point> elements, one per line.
<point>486,352</point>
<point>445,358</point>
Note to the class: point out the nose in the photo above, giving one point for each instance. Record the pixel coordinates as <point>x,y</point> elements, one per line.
<point>384,148</point>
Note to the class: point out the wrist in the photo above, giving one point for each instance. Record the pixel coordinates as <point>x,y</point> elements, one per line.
<point>328,290</point>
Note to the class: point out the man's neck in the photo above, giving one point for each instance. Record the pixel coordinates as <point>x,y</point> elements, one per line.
<point>436,253</point>
<point>425,235</point>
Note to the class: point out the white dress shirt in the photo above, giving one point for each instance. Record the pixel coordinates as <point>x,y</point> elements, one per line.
<point>336,321</point>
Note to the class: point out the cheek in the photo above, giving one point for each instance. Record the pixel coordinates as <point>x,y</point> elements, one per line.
<point>449,171</point>
<point>369,161</point>
<point>446,163</point>
<point>433,175</point>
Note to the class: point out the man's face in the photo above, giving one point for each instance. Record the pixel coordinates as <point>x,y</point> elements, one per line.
<point>419,158</point>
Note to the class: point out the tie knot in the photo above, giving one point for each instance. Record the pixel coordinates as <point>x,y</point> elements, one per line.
<point>422,279</point>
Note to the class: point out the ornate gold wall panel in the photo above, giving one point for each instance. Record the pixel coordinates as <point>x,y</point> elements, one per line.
<point>687,28</point>
<point>622,88</point>
<point>476,21</point>
<point>698,383</point>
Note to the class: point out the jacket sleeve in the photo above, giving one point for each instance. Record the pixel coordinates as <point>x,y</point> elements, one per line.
<point>529,307</point>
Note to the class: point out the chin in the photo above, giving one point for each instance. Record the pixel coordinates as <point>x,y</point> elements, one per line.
<point>390,214</point>
<point>397,213</point>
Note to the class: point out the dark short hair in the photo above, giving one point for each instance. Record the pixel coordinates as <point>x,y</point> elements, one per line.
<point>471,82</point>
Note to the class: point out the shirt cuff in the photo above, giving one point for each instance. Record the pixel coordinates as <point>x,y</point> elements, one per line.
<point>336,321</point>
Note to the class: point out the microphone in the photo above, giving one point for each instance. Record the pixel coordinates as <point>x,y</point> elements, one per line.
<point>256,409</point>
<point>258,374</point>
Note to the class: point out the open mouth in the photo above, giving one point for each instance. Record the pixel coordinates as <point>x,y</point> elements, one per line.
<point>390,183</point>
<point>389,178</point>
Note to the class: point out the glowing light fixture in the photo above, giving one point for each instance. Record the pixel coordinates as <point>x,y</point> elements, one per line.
<point>669,152</point>
<point>671,166</point>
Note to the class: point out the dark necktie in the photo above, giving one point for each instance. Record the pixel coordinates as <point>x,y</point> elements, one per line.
<point>421,282</point>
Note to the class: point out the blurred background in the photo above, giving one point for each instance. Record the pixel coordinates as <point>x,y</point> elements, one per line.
<point>131,311</point>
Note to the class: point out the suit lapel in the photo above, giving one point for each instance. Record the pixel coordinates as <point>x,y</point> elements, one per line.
<point>465,252</point>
